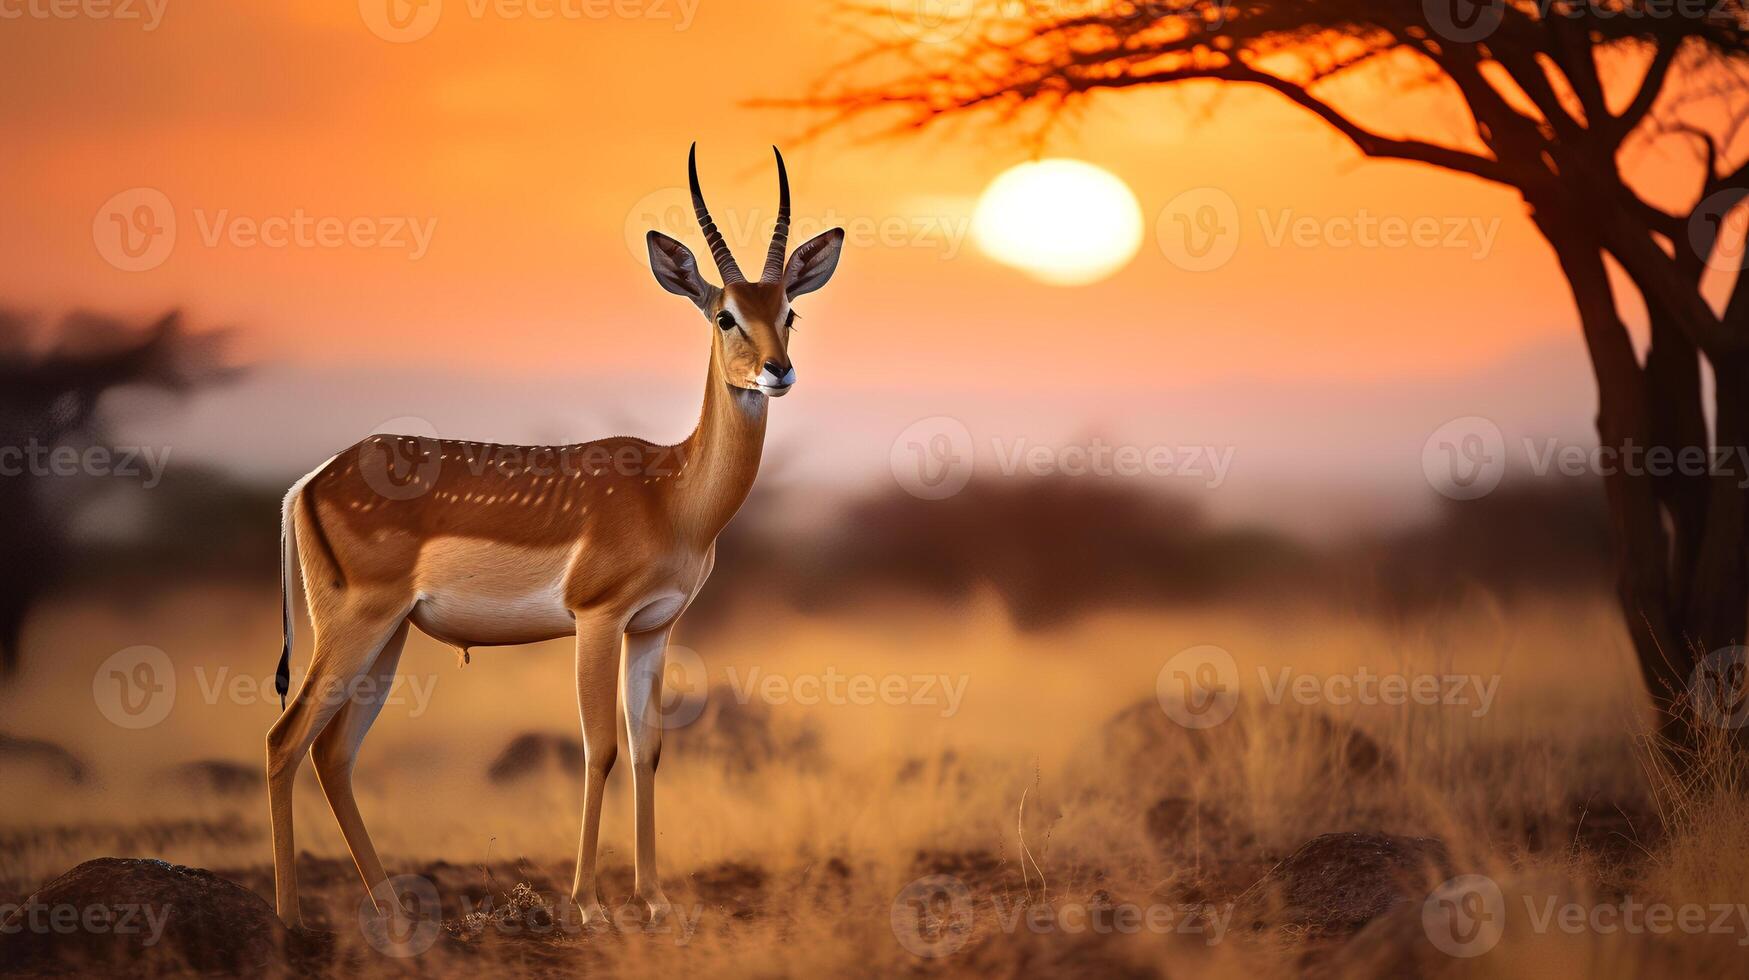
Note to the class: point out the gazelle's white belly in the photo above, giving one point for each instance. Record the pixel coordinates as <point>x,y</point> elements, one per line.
<point>481,593</point>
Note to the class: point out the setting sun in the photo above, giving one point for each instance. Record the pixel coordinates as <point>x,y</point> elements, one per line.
<point>1064,222</point>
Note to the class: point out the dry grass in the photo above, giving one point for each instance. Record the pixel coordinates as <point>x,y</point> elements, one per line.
<point>791,862</point>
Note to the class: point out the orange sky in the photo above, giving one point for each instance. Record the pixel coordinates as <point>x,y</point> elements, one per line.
<point>534,148</point>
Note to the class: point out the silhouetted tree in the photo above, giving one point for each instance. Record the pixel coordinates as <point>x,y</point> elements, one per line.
<point>1553,90</point>
<point>49,392</point>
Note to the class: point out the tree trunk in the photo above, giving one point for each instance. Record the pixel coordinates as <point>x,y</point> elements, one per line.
<point>1643,550</point>
<point>1718,599</point>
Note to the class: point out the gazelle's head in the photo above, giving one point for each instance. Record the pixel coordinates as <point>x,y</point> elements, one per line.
<point>750,321</point>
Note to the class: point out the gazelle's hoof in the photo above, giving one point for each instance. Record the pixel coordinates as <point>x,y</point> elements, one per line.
<point>660,912</point>
<point>595,917</point>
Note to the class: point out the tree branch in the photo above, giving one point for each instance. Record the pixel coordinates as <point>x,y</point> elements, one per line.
<point>1651,84</point>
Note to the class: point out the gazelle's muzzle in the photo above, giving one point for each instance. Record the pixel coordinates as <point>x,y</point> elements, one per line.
<point>776,379</point>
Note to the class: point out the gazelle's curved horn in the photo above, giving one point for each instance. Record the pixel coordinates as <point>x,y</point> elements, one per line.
<point>719,249</point>
<point>780,234</point>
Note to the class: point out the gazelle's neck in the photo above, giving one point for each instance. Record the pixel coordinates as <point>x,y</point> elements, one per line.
<point>721,457</point>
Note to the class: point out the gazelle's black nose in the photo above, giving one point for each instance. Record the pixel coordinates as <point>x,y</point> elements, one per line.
<point>776,378</point>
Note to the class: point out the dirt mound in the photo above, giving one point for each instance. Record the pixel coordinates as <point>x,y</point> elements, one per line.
<point>1161,758</point>
<point>745,733</point>
<point>217,777</point>
<point>45,756</point>
<point>532,752</point>
<point>144,917</point>
<point>1334,884</point>
<point>1179,826</point>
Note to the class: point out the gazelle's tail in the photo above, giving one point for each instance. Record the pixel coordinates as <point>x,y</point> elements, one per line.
<point>288,575</point>
<point>291,573</point>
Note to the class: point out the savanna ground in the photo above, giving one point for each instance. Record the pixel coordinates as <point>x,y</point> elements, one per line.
<point>1053,789</point>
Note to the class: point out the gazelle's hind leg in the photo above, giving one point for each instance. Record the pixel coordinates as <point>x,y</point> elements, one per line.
<point>642,693</point>
<point>347,641</point>
<point>336,750</point>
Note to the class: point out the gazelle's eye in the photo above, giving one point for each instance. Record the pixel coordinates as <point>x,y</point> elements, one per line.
<point>789,322</point>
<point>725,319</point>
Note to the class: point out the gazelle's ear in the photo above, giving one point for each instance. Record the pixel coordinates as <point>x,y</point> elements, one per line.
<point>676,270</point>
<point>813,263</point>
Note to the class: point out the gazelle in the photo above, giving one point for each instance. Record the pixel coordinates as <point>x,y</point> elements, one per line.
<point>481,544</point>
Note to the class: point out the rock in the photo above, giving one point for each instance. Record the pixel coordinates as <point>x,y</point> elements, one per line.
<point>218,777</point>
<point>1334,884</point>
<point>144,917</point>
<point>43,755</point>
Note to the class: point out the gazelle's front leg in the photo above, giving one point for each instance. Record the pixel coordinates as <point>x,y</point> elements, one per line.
<point>643,711</point>
<point>597,654</point>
